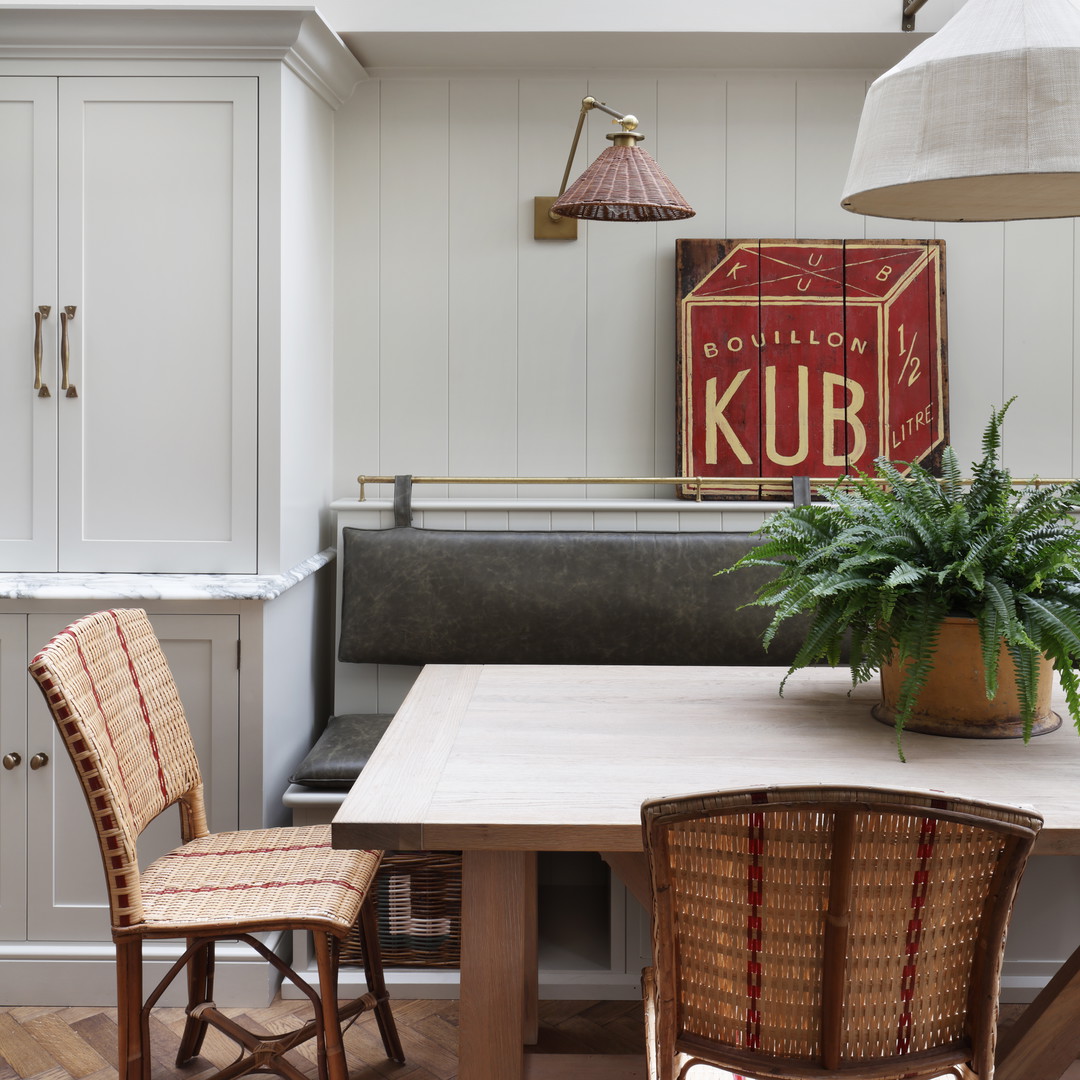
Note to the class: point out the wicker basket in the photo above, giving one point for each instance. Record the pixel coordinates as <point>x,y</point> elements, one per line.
<point>419,909</point>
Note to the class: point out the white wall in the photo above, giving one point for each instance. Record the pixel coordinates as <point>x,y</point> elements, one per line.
<point>464,347</point>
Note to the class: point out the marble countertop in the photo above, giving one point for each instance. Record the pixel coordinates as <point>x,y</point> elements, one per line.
<point>23,586</point>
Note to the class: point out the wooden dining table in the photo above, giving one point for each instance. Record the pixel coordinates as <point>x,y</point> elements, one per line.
<point>503,761</point>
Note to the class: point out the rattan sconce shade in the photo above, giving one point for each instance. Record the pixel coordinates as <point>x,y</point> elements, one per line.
<point>981,122</point>
<point>623,184</point>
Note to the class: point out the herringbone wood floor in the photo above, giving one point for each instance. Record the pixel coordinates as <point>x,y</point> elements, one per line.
<point>80,1043</point>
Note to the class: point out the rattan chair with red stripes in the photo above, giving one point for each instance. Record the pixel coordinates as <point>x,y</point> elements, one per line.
<point>825,932</point>
<point>113,698</point>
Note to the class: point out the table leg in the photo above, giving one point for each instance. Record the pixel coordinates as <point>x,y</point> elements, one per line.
<point>492,1011</point>
<point>1045,1040</point>
<point>531,1033</point>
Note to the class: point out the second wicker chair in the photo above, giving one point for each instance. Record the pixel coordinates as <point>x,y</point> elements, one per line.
<point>108,685</point>
<point>818,931</point>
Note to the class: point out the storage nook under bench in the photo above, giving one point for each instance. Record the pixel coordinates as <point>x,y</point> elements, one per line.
<point>414,596</point>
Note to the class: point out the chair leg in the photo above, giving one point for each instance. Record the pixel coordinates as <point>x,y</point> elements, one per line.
<point>133,1059</point>
<point>200,979</point>
<point>376,981</point>
<point>333,1048</point>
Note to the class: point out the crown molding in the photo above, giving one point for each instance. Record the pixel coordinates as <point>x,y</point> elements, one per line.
<point>294,36</point>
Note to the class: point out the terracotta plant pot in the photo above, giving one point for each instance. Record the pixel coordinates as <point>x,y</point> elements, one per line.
<point>953,702</point>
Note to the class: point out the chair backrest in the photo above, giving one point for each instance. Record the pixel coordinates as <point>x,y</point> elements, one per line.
<point>803,930</point>
<point>114,700</point>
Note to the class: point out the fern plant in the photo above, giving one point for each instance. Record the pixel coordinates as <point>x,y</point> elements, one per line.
<point>880,564</point>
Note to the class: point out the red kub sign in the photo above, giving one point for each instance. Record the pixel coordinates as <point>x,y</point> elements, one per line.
<point>808,358</point>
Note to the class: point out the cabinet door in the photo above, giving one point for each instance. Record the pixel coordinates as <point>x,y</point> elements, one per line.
<point>65,880</point>
<point>27,282</point>
<point>13,781</point>
<point>158,242</point>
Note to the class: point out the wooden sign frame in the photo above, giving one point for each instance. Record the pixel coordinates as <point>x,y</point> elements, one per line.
<point>807,358</point>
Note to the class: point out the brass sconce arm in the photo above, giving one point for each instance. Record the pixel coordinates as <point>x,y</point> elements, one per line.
<point>629,123</point>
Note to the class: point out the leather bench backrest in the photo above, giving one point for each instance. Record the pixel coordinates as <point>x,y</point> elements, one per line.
<point>426,596</point>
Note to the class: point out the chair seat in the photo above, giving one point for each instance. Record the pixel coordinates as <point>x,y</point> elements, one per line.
<point>287,878</point>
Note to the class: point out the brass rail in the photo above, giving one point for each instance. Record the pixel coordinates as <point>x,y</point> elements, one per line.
<point>695,483</point>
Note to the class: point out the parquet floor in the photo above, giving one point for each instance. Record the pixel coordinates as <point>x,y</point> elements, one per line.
<point>80,1043</point>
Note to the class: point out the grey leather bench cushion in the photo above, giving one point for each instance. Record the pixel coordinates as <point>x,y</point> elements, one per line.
<point>426,596</point>
<point>342,750</point>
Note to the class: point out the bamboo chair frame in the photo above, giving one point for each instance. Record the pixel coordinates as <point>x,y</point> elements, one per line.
<point>823,931</point>
<point>114,701</point>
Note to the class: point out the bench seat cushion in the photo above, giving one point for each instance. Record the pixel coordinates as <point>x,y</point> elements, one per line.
<point>342,750</point>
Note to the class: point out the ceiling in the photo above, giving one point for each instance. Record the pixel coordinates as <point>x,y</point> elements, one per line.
<point>381,51</point>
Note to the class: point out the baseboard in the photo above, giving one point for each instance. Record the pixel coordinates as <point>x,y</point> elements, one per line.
<point>67,974</point>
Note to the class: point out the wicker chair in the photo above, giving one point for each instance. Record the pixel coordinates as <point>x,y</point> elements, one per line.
<point>114,701</point>
<point>825,932</point>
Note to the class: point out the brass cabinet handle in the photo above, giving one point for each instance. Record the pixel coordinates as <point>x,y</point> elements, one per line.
<point>43,391</point>
<point>39,761</point>
<point>12,761</point>
<point>65,350</point>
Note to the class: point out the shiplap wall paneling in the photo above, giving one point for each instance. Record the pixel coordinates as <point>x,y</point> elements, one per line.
<point>827,114</point>
<point>1076,352</point>
<point>691,148</point>
<point>553,301</point>
<point>620,335</point>
<point>414,346</point>
<point>483,259</point>
<point>761,126</point>
<point>975,298</point>
<point>357,413</point>
<point>1038,343</point>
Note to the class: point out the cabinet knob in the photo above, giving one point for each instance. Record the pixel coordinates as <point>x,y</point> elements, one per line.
<point>39,761</point>
<point>12,761</point>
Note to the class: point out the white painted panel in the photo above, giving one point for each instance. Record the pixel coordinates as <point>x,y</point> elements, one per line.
<point>357,227</point>
<point>13,688</point>
<point>761,156</point>
<point>691,118</point>
<point>414,294</point>
<point>1038,347</point>
<point>828,110</point>
<point>1076,355</point>
<point>64,874</point>
<point>483,286</point>
<point>552,298</point>
<point>621,335</point>
<point>306,368</point>
<point>158,219</point>
<point>27,281</point>
<point>691,147</point>
<point>975,299</point>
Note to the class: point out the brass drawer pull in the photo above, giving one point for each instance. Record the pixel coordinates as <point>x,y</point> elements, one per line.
<point>43,390</point>
<point>39,761</point>
<point>65,350</point>
<point>12,761</point>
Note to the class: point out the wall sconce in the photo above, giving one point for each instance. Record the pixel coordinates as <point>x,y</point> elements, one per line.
<point>623,184</point>
<point>981,122</point>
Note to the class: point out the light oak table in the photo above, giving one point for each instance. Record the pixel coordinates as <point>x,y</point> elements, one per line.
<point>503,761</point>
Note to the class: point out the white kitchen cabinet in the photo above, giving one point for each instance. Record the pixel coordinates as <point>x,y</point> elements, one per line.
<point>167,175</point>
<point>166,243</point>
<point>52,888</point>
<point>142,305</point>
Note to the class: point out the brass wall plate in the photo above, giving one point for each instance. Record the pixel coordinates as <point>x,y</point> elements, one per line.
<point>544,228</point>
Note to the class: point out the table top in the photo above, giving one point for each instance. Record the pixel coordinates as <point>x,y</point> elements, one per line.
<point>537,758</point>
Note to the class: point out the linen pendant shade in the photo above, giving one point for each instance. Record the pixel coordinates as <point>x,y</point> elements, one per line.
<point>981,122</point>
